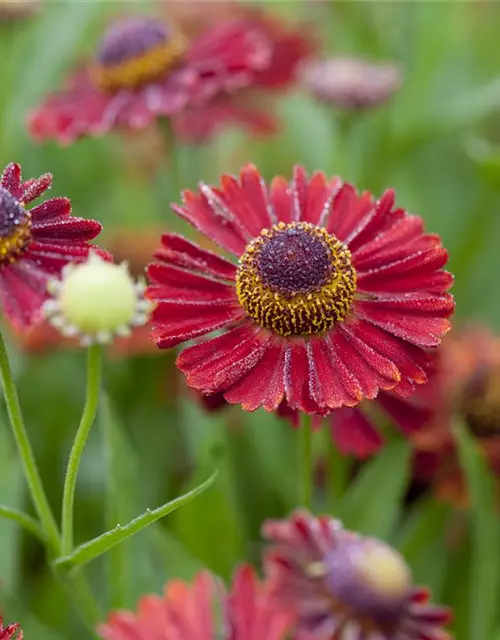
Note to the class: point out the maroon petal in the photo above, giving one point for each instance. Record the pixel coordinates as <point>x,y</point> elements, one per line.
<point>11,179</point>
<point>52,257</point>
<point>348,211</point>
<point>53,208</point>
<point>297,375</point>
<point>353,433</point>
<point>334,386</point>
<point>235,45</point>
<point>263,385</point>
<point>281,199</point>
<point>422,322</point>
<point>232,355</point>
<point>209,214</point>
<point>183,253</point>
<point>176,322</point>
<point>66,228</point>
<point>411,361</point>
<point>21,300</point>
<point>405,414</point>
<point>33,188</point>
<point>172,284</point>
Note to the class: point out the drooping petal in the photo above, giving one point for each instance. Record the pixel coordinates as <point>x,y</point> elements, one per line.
<point>353,433</point>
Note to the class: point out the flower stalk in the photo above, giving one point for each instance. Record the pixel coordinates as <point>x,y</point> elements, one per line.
<point>94,366</point>
<point>305,461</point>
<point>32,474</point>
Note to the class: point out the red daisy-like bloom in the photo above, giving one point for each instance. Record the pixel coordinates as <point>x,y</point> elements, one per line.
<point>36,244</point>
<point>343,586</point>
<point>187,612</point>
<point>144,69</point>
<point>334,297</point>
<point>11,632</point>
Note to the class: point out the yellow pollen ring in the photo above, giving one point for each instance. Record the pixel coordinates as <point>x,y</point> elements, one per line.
<point>13,245</point>
<point>310,313</point>
<point>139,70</point>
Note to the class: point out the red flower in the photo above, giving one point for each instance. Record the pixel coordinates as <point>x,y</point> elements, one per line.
<point>186,612</point>
<point>143,69</point>
<point>340,585</point>
<point>35,244</point>
<point>11,632</point>
<point>334,297</point>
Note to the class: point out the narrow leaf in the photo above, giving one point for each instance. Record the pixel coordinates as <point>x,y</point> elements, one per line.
<point>372,503</point>
<point>24,520</point>
<point>90,550</point>
<point>485,533</point>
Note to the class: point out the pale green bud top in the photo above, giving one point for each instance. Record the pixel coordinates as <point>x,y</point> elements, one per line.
<point>96,300</point>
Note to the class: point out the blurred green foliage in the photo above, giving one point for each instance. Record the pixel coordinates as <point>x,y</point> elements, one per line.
<point>437,142</point>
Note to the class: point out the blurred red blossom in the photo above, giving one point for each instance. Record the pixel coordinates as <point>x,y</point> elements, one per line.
<point>187,612</point>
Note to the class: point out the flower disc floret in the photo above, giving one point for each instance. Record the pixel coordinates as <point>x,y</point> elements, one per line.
<point>134,52</point>
<point>15,227</point>
<point>96,301</point>
<point>296,280</point>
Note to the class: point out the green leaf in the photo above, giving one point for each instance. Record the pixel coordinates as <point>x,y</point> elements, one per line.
<point>23,520</point>
<point>484,580</point>
<point>424,524</point>
<point>372,503</point>
<point>88,551</point>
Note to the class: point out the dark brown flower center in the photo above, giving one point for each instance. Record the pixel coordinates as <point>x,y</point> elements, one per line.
<point>136,51</point>
<point>15,227</point>
<point>296,279</point>
<point>481,402</point>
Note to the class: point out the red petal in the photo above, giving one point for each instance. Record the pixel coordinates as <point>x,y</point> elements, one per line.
<point>334,384</point>
<point>353,433</point>
<point>297,374</point>
<point>281,199</point>
<point>376,221</point>
<point>174,284</point>
<point>207,213</point>
<point>175,322</point>
<point>348,211</point>
<point>228,364</point>
<point>53,208</point>
<point>411,361</point>
<point>11,179</point>
<point>419,321</point>
<point>183,253</point>
<point>22,297</point>
<point>52,257</point>
<point>407,416</point>
<point>66,228</point>
<point>33,188</point>
<point>263,385</point>
<point>425,261</point>
<point>434,282</point>
<point>247,199</point>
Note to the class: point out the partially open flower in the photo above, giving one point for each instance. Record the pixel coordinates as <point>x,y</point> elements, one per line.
<point>341,585</point>
<point>144,69</point>
<point>351,83</point>
<point>96,301</point>
<point>11,632</point>
<point>187,612</point>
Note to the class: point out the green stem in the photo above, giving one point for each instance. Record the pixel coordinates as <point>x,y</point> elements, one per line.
<point>338,473</point>
<point>31,472</point>
<point>83,600</point>
<point>305,461</point>
<point>94,364</point>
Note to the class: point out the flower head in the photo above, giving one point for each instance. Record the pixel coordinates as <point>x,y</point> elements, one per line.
<point>187,612</point>
<point>341,585</point>
<point>35,244</point>
<point>351,83</point>
<point>144,69</point>
<point>334,295</point>
<point>96,301</point>
<point>11,632</point>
